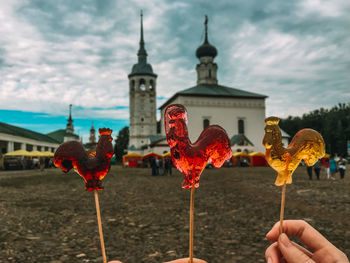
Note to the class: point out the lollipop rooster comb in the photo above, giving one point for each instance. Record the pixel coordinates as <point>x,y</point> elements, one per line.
<point>92,165</point>
<point>191,159</point>
<point>307,144</point>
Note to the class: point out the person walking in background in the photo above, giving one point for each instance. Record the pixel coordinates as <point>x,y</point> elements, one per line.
<point>341,167</point>
<point>309,171</point>
<point>157,166</point>
<point>153,165</point>
<point>161,168</point>
<point>326,167</point>
<point>167,166</point>
<point>332,167</point>
<point>317,168</point>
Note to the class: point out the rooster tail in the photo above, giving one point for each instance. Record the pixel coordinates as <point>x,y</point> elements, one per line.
<point>283,178</point>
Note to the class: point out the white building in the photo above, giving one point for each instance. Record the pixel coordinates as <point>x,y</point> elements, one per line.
<point>14,138</point>
<point>240,113</point>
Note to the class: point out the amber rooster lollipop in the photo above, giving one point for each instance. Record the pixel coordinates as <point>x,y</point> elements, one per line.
<point>92,165</point>
<point>213,144</point>
<point>307,144</point>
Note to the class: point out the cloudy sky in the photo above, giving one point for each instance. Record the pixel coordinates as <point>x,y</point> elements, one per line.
<point>59,52</point>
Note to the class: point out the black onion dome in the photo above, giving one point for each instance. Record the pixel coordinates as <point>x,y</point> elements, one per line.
<point>206,50</point>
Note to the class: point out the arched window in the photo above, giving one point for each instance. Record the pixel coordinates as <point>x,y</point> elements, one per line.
<point>240,126</point>
<point>209,73</point>
<point>142,84</point>
<point>206,123</point>
<point>132,85</point>
<point>151,84</point>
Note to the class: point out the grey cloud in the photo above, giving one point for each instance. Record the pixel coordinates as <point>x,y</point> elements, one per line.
<point>291,51</point>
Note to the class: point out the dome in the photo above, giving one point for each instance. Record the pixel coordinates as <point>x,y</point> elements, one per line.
<point>206,50</point>
<point>142,68</point>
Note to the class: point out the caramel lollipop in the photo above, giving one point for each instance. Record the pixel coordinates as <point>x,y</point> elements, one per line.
<point>191,159</point>
<point>307,144</point>
<point>92,165</point>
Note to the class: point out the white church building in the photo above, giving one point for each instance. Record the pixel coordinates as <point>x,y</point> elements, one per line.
<point>240,113</point>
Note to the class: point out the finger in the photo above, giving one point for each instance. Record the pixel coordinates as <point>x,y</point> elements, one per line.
<point>299,228</point>
<point>272,253</point>
<point>304,250</point>
<point>290,252</point>
<point>185,260</point>
<point>115,261</point>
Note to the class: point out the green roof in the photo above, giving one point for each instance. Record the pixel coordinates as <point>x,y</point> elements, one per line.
<point>156,138</point>
<point>142,68</point>
<point>21,132</point>
<point>214,90</point>
<point>240,139</point>
<point>60,134</point>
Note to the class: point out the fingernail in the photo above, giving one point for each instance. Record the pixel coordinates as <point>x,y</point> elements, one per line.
<point>269,260</point>
<point>268,233</point>
<point>285,240</point>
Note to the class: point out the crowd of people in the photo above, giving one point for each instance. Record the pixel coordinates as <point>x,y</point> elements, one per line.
<point>160,167</point>
<point>331,166</point>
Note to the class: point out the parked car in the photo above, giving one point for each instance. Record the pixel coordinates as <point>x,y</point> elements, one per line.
<point>12,163</point>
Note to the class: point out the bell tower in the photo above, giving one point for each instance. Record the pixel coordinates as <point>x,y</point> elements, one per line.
<point>207,68</point>
<point>142,100</point>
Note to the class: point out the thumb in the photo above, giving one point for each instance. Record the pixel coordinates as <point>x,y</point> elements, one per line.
<point>290,252</point>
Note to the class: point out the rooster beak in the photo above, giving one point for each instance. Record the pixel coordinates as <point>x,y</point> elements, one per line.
<point>268,146</point>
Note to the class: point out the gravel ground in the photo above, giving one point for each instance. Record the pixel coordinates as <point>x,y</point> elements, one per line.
<point>49,217</point>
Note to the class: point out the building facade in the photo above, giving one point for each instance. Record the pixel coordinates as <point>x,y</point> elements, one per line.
<point>240,113</point>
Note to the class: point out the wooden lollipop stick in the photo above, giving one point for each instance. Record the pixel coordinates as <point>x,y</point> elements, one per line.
<point>190,260</point>
<point>100,227</point>
<point>282,207</point>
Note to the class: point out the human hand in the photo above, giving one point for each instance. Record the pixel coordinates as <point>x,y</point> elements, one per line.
<point>284,250</point>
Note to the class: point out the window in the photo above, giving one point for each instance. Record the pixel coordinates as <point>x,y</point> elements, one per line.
<point>240,126</point>
<point>151,83</point>
<point>17,146</point>
<point>29,147</point>
<point>142,84</point>
<point>209,73</point>
<point>132,85</point>
<point>142,119</point>
<point>206,123</point>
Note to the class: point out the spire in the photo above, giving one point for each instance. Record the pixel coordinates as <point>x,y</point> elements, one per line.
<point>70,127</point>
<point>142,54</point>
<point>206,29</point>
<point>206,50</point>
<point>70,112</point>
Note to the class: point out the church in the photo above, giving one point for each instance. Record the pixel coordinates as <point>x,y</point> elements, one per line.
<point>239,112</point>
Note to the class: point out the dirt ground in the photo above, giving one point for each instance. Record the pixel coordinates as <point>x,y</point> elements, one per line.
<point>49,217</point>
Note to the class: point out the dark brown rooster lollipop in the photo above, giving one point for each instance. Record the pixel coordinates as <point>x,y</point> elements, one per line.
<point>92,165</point>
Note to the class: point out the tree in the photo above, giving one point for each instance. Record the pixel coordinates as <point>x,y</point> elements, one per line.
<point>333,124</point>
<point>121,143</point>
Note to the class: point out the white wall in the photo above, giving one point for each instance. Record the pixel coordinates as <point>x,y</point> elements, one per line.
<point>224,112</point>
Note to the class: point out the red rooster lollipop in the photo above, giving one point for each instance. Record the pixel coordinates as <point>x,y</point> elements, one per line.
<point>92,165</point>
<point>213,144</point>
